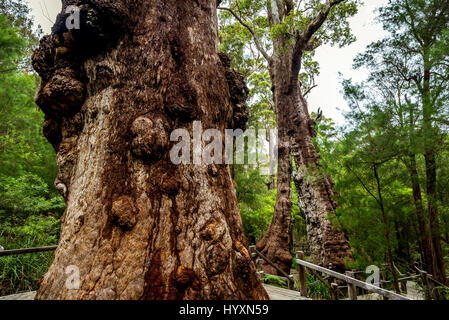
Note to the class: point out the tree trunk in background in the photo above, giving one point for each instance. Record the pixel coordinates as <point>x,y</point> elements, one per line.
<point>420,214</point>
<point>329,247</point>
<point>136,225</point>
<point>275,244</point>
<point>386,229</point>
<point>439,271</point>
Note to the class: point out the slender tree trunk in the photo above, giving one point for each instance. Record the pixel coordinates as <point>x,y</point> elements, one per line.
<point>137,226</point>
<point>435,235</point>
<point>420,214</point>
<point>329,246</point>
<point>272,178</point>
<point>386,230</point>
<point>402,237</point>
<point>431,174</point>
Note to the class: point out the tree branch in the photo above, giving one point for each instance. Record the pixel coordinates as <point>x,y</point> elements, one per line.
<point>363,184</point>
<point>256,40</point>
<point>316,23</point>
<point>302,39</point>
<point>309,90</point>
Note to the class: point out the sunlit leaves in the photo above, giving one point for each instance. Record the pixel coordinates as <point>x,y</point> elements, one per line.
<point>27,161</point>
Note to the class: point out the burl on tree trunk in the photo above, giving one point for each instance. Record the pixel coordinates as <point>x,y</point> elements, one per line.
<point>136,225</point>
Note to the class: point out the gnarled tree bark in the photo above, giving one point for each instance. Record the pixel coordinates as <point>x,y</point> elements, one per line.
<point>317,198</point>
<point>138,226</point>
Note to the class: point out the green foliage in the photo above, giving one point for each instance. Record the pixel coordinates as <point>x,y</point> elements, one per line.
<point>17,13</point>
<point>20,273</point>
<point>275,281</point>
<point>443,293</point>
<point>27,161</point>
<point>315,288</point>
<point>27,194</point>
<point>256,202</point>
<point>11,45</point>
<point>30,205</point>
<point>392,119</point>
<point>335,30</point>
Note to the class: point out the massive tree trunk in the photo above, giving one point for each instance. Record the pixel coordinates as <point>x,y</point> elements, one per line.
<point>329,246</point>
<point>137,226</point>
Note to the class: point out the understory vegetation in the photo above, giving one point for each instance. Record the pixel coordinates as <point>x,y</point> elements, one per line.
<point>30,206</point>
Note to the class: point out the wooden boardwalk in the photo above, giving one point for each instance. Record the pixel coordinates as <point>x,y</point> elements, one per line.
<point>275,293</point>
<point>20,296</point>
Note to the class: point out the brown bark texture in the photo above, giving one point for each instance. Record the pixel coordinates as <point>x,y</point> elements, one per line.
<point>136,225</point>
<point>438,268</point>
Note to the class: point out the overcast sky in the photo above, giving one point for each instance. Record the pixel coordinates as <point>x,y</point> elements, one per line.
<point>333,60</point>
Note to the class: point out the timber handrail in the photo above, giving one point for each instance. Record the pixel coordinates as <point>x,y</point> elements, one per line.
<point>352,282</point>
<point>4,253</point>
<point>289,278</point>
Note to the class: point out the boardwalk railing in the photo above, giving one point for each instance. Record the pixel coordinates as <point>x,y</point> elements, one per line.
<point>285,276</point>
<point>4,253</point>
<point>349,278</point>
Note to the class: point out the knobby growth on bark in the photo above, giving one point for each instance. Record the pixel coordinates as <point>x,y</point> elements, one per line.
<point>136,225</point>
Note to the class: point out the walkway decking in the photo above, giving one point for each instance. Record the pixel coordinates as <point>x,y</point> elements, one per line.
<point>20,296</point>
<point>275,293</point>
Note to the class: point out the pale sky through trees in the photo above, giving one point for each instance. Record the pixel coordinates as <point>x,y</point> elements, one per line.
<point>333,60</point>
